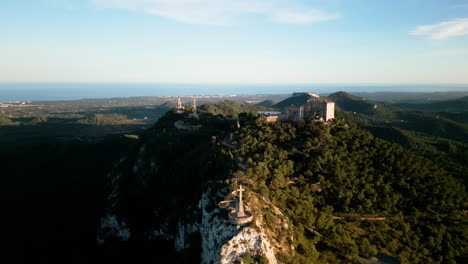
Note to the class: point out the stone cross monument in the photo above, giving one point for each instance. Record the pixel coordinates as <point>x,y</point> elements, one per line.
<point>240,215</point>
<point>240,206</point>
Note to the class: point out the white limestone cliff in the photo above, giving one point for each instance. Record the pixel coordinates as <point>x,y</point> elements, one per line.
<point>223,242</point>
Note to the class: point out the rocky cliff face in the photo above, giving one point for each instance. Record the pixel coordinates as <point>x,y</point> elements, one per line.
<point>223,242</point>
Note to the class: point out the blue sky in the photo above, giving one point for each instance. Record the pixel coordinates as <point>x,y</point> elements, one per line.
<point>235,41</point>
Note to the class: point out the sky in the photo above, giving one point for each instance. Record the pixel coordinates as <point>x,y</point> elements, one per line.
<point>235,41</point>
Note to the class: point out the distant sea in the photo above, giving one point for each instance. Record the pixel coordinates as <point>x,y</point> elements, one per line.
<point>75,91</point>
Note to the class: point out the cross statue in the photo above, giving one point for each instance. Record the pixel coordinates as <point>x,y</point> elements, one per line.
<point>240,206</point>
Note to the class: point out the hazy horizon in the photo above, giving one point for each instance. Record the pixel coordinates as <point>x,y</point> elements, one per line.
<point>77,91</point>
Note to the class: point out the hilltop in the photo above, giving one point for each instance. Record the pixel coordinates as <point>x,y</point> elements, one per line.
<point>314,190</point>
<point>267,103</point>
<point>299,99</point>
<point>348,102</point>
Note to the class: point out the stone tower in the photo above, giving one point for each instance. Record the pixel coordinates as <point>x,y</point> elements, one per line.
<point>179,103</point>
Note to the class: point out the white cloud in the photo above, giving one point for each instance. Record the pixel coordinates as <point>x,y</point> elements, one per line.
<point>450,52</point>
<point>443,30</point>
<point>221,12</point>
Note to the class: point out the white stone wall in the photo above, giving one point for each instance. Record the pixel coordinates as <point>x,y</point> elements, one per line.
<point>330,113</point>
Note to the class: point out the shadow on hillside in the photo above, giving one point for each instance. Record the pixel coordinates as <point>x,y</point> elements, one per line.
<point>52,186</point>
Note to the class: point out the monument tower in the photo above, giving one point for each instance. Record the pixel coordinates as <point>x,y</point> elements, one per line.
<point>240,215</point>
<point>179,103</point>
<point>240,204</point>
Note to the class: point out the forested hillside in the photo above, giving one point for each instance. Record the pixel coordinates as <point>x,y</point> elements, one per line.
<point>315,171</point>
<point>441,137</point>
<point>457,105</point>
<point>232,109</point>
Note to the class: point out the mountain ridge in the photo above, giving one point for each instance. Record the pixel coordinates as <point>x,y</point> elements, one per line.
<point>280,164</point>
<point>457,105</point>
